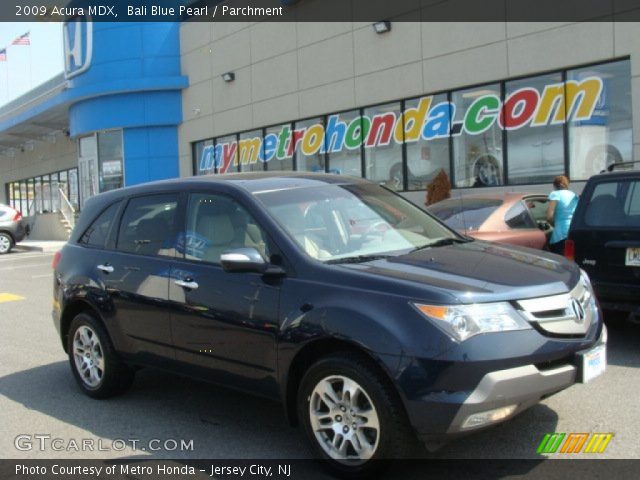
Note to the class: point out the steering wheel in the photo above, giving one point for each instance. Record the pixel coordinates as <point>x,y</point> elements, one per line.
<point>545,226</point>
<point>375,228</point>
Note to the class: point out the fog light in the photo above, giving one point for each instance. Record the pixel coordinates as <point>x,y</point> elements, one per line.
<point>490,416</point>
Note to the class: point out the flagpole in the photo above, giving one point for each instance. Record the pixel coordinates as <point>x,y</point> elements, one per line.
<point>30,69</point>
<point>6,77</point>
<point>6,74</point>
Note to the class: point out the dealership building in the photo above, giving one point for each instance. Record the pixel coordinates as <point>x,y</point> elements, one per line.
<point>495,105</point>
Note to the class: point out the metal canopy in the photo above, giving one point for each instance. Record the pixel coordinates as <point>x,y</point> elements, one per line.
<point>40,126</point>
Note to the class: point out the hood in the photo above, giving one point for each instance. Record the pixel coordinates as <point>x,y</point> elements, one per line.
<point>480,271</point>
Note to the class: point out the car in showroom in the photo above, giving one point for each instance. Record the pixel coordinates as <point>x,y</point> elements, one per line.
<point>604,237</point>
<point>510,218</point>
<point>13,228</point>
<point>286,286</point>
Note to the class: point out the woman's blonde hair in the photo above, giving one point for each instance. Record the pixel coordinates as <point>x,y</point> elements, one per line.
<point>561,181</point>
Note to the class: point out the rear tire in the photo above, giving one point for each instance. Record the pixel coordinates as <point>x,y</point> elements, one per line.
<point>94,363</point>
<point>352,417</point>
<point>6,243</point>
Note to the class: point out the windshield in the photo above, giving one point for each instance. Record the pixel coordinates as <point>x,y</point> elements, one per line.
<point>333,222</point>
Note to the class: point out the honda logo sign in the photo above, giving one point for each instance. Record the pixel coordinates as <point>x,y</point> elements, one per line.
<point>78,46</point>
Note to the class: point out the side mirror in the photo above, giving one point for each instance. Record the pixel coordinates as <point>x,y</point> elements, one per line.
<point>243,260</point>
<point>248,260</point>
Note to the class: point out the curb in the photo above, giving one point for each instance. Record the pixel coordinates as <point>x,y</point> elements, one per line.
<point>38,248</point>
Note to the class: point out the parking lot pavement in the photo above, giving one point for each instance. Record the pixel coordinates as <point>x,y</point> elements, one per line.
<point>38,396</point>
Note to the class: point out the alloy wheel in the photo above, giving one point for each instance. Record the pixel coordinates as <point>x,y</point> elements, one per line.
<point>344,419</point>
<point>88,356</point>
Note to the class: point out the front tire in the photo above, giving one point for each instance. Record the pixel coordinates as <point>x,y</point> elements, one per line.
<point>94,363</point>
<point>351,415</point>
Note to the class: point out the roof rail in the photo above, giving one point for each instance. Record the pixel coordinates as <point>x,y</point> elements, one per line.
<point>621,166</point>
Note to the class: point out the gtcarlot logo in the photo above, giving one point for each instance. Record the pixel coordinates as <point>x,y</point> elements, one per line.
<point>45,442</point>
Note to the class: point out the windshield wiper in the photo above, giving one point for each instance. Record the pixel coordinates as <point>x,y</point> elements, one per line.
<point>357,259</point>
<point>441,243</point>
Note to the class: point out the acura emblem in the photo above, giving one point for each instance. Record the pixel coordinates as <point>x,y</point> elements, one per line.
<point>578,310</point>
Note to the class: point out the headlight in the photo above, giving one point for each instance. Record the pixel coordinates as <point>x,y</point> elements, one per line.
<point>464,321</point>
<point>586,281</point>
<point>589,297</point>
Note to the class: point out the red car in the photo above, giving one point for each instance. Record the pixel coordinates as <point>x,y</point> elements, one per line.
<point>513,218</point>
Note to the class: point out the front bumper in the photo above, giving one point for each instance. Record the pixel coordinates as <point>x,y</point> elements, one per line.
<point>521,386</point>
<point>442,416</point>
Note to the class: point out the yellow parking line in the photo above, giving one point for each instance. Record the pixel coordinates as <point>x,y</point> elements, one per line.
<point>9,297</point>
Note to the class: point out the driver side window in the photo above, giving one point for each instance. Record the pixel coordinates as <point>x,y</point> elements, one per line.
<point>215,224</point>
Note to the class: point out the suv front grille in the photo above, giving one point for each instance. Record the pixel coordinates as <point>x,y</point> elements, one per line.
<point>568,314</point>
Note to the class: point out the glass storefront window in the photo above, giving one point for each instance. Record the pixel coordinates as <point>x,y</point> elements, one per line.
<point>226,154</point>
<point>42,194</point>
<point>383,152</point>
<point>46,193</point>
<point>63,183</point>
<point>276,154</point>
<point>477,136</point>
<point>425,157</point>
<point>512,132</point>
<point>310,155</point>
<point>343,139</point>
<point>535,147</point>
<point>24,203</point>
<point>31,196</point>
<point>12,195</point>
<point>110,157</point>
<point>37,188</point>
<point>250,153</point>
<point>55,192</point>
<point>74,188</point>
<point>604,136</point>
<point>204,158</point>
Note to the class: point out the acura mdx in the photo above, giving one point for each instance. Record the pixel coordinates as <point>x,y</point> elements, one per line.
<point>368,318</point>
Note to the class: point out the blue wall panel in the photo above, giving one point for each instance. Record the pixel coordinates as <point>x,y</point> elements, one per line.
<point>150,154</point>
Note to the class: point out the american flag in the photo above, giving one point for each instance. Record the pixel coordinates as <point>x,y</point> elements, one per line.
<point>22,40</point>
<point>3,55</point>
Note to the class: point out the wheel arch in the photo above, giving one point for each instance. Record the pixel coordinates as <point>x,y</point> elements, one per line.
<point>314,351</point>
<point>7,232</point>
<point>71,310</point>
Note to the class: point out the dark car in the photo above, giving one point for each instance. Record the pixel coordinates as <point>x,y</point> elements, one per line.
<point>604,238</point>
<point>511,218</point>
<point>13,228</point>
<point>287,286</point>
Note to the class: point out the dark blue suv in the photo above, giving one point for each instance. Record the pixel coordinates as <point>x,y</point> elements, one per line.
<point>368,318</point>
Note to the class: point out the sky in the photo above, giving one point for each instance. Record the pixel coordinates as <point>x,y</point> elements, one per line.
<point>29,66</point>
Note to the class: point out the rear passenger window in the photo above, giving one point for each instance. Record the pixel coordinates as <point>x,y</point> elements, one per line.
<point>614,204</point>
<point>96,235</point>
<point>147,225</point>
<point>632,206</point>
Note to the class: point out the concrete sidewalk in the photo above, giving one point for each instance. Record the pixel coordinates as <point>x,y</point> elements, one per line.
<point>44,246</point>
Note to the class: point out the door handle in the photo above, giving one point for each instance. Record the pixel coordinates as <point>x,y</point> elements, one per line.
<point>191,285</point>
<point>105,268</point>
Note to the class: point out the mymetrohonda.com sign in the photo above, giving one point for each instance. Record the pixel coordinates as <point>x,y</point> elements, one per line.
<point>557,103</point>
